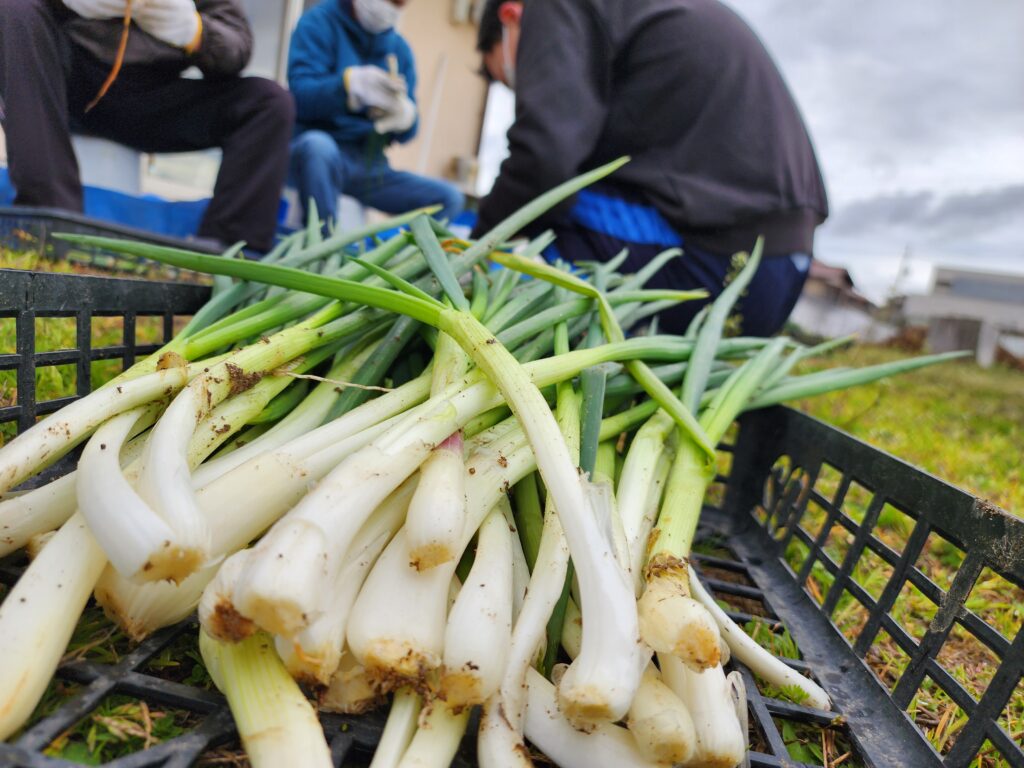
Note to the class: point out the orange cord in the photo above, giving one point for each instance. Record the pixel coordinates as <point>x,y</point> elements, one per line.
<point>118,59</point>
<point>198,39</point>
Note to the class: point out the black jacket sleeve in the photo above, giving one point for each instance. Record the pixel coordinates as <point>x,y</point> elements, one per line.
<point>563,77</point>
<point>226,44</point>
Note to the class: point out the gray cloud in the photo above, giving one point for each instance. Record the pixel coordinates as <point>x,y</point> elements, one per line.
<point>915,109</point>
<point>962,212</point>
<point>993,207</point>
<point>914,72</point>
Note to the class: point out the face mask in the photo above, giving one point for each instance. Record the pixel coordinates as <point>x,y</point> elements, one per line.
<point>507,64</point>
<point>376,16</point>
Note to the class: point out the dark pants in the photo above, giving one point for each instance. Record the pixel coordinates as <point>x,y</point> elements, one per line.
<point>46,82</point>
<point>763,309</point>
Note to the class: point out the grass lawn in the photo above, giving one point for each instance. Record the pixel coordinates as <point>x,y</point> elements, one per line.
<point>957,421</point>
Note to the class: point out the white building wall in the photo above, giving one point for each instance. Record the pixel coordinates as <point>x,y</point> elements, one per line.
<point>950,314</point>
<point>823,318</point>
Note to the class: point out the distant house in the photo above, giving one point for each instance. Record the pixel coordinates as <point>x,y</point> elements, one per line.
<point>970,310</point>
<point>831,306</point>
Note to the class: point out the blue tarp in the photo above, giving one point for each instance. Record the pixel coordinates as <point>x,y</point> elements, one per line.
<point>154,214</point>
<point>147,212</point>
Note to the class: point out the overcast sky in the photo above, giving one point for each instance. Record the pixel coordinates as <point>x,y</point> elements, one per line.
<point>916,108</point>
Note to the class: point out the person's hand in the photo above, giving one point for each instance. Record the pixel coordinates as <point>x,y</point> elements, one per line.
<point>97,9</point>
<point>175,22</point>
<point>371,87</point>
<point>397,117</point>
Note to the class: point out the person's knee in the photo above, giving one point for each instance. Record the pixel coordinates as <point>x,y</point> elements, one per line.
<point>451,199</point>
<point>315,147</point>
<point>271,104</point>
<point>454,201</point>
<point>770,297</point>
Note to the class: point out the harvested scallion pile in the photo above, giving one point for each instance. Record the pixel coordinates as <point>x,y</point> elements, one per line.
<point>398,475</point>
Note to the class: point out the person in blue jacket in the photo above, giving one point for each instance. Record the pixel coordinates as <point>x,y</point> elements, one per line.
<point>354,81</point>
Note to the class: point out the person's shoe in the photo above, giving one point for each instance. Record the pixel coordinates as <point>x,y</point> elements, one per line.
<point>210,245</point>
<point>218,247</point>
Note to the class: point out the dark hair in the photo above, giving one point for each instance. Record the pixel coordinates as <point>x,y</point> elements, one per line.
<point>489,33</point>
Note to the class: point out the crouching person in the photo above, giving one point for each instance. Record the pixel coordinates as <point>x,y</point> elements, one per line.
<point>59,73</point>
<point>354,79</point>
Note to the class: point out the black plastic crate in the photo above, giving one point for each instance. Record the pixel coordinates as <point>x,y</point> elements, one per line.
<point>798,537</point>
<point>30,229</point>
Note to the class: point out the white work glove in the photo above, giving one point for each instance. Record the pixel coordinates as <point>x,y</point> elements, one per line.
<point>396,117</point>
<point>97,9</point>
<point>369,86</point>
<point>175,22</point>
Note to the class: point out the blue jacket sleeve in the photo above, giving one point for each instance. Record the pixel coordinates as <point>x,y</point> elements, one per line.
<point>319,91</point>
<point>407,66</point>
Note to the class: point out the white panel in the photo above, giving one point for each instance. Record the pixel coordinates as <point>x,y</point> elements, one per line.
<point>108,165</point>
<point>267,19</point>
<point>499,115</point>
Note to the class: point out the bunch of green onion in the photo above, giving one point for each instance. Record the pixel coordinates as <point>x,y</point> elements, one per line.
<point>384,471</point>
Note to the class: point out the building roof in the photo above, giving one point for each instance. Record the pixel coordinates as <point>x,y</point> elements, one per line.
<point>968,294</point>
<point>839,279</point>
<point>988,286</point>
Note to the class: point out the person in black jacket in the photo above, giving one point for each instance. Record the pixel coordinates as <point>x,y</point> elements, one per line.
<point>720,154</point>
<point>56,56</point>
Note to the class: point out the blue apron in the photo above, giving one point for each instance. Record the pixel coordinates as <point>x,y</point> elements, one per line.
<point>622,219</point>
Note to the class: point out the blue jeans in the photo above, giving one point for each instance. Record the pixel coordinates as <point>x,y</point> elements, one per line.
<point>322,169</point>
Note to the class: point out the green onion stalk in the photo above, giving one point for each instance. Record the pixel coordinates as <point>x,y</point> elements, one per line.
<point>357,534</point>
<point>276,723</point>
<point>586,684</point>
<point>222,321</point>
<point>37,621</point>
<point>39,614</point>
<point>501,738</point>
